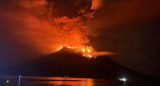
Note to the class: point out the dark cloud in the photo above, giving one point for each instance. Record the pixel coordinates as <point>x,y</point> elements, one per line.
<point>125,11</point>
<point>69,8</point>
<point>130,28</point>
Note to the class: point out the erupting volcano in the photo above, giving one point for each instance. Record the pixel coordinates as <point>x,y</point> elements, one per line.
<point>73,35</point>
<point>74,32</point>
<point>86,51</point>
<point>50,25</point>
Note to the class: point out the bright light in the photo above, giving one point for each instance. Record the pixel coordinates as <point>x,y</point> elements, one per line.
<point>123,79</point>
<point>7,81</point>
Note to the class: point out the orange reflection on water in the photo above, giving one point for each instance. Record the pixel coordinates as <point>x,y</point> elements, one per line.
<point>71,83</point>
<point>61,81</point>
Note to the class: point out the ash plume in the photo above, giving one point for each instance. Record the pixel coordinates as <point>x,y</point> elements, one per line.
<point>39,27</point>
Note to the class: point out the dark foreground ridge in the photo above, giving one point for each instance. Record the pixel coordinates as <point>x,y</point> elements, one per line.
<point>67,63</point>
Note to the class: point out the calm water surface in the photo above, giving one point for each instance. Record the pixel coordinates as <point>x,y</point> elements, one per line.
<point>60,81</point>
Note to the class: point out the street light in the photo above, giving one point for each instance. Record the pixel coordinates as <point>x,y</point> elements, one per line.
<point>7,81</point>
<point>19,81</point>
<point>124,80</point>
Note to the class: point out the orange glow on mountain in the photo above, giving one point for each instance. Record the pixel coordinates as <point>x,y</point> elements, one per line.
<point>74,35</point>
<point>74,32</point>
<point>86,51</point>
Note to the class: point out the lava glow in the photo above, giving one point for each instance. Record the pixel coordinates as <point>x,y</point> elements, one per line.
<point>74,35</point>
<point>74,32</point>
<point>85,51</point>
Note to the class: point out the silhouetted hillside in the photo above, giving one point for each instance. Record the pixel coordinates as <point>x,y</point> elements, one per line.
<point>67,63</point>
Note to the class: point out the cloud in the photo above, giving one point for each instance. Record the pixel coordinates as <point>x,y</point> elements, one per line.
<point>31,26</point>
<point>121,12</point>
<point>130,28</point>
<point>26,31</point>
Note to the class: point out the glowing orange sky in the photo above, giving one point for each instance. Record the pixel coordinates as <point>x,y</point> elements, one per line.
<point>27,28</point>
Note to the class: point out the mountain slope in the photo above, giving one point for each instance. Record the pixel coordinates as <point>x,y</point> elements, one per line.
<point>67,63</point>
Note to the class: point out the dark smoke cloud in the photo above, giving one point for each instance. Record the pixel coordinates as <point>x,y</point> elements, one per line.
<point>118,12</point>
<point>130,28</point>
<point>69,8</point>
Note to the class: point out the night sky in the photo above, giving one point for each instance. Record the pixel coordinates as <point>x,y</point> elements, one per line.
<point>128,28</point>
